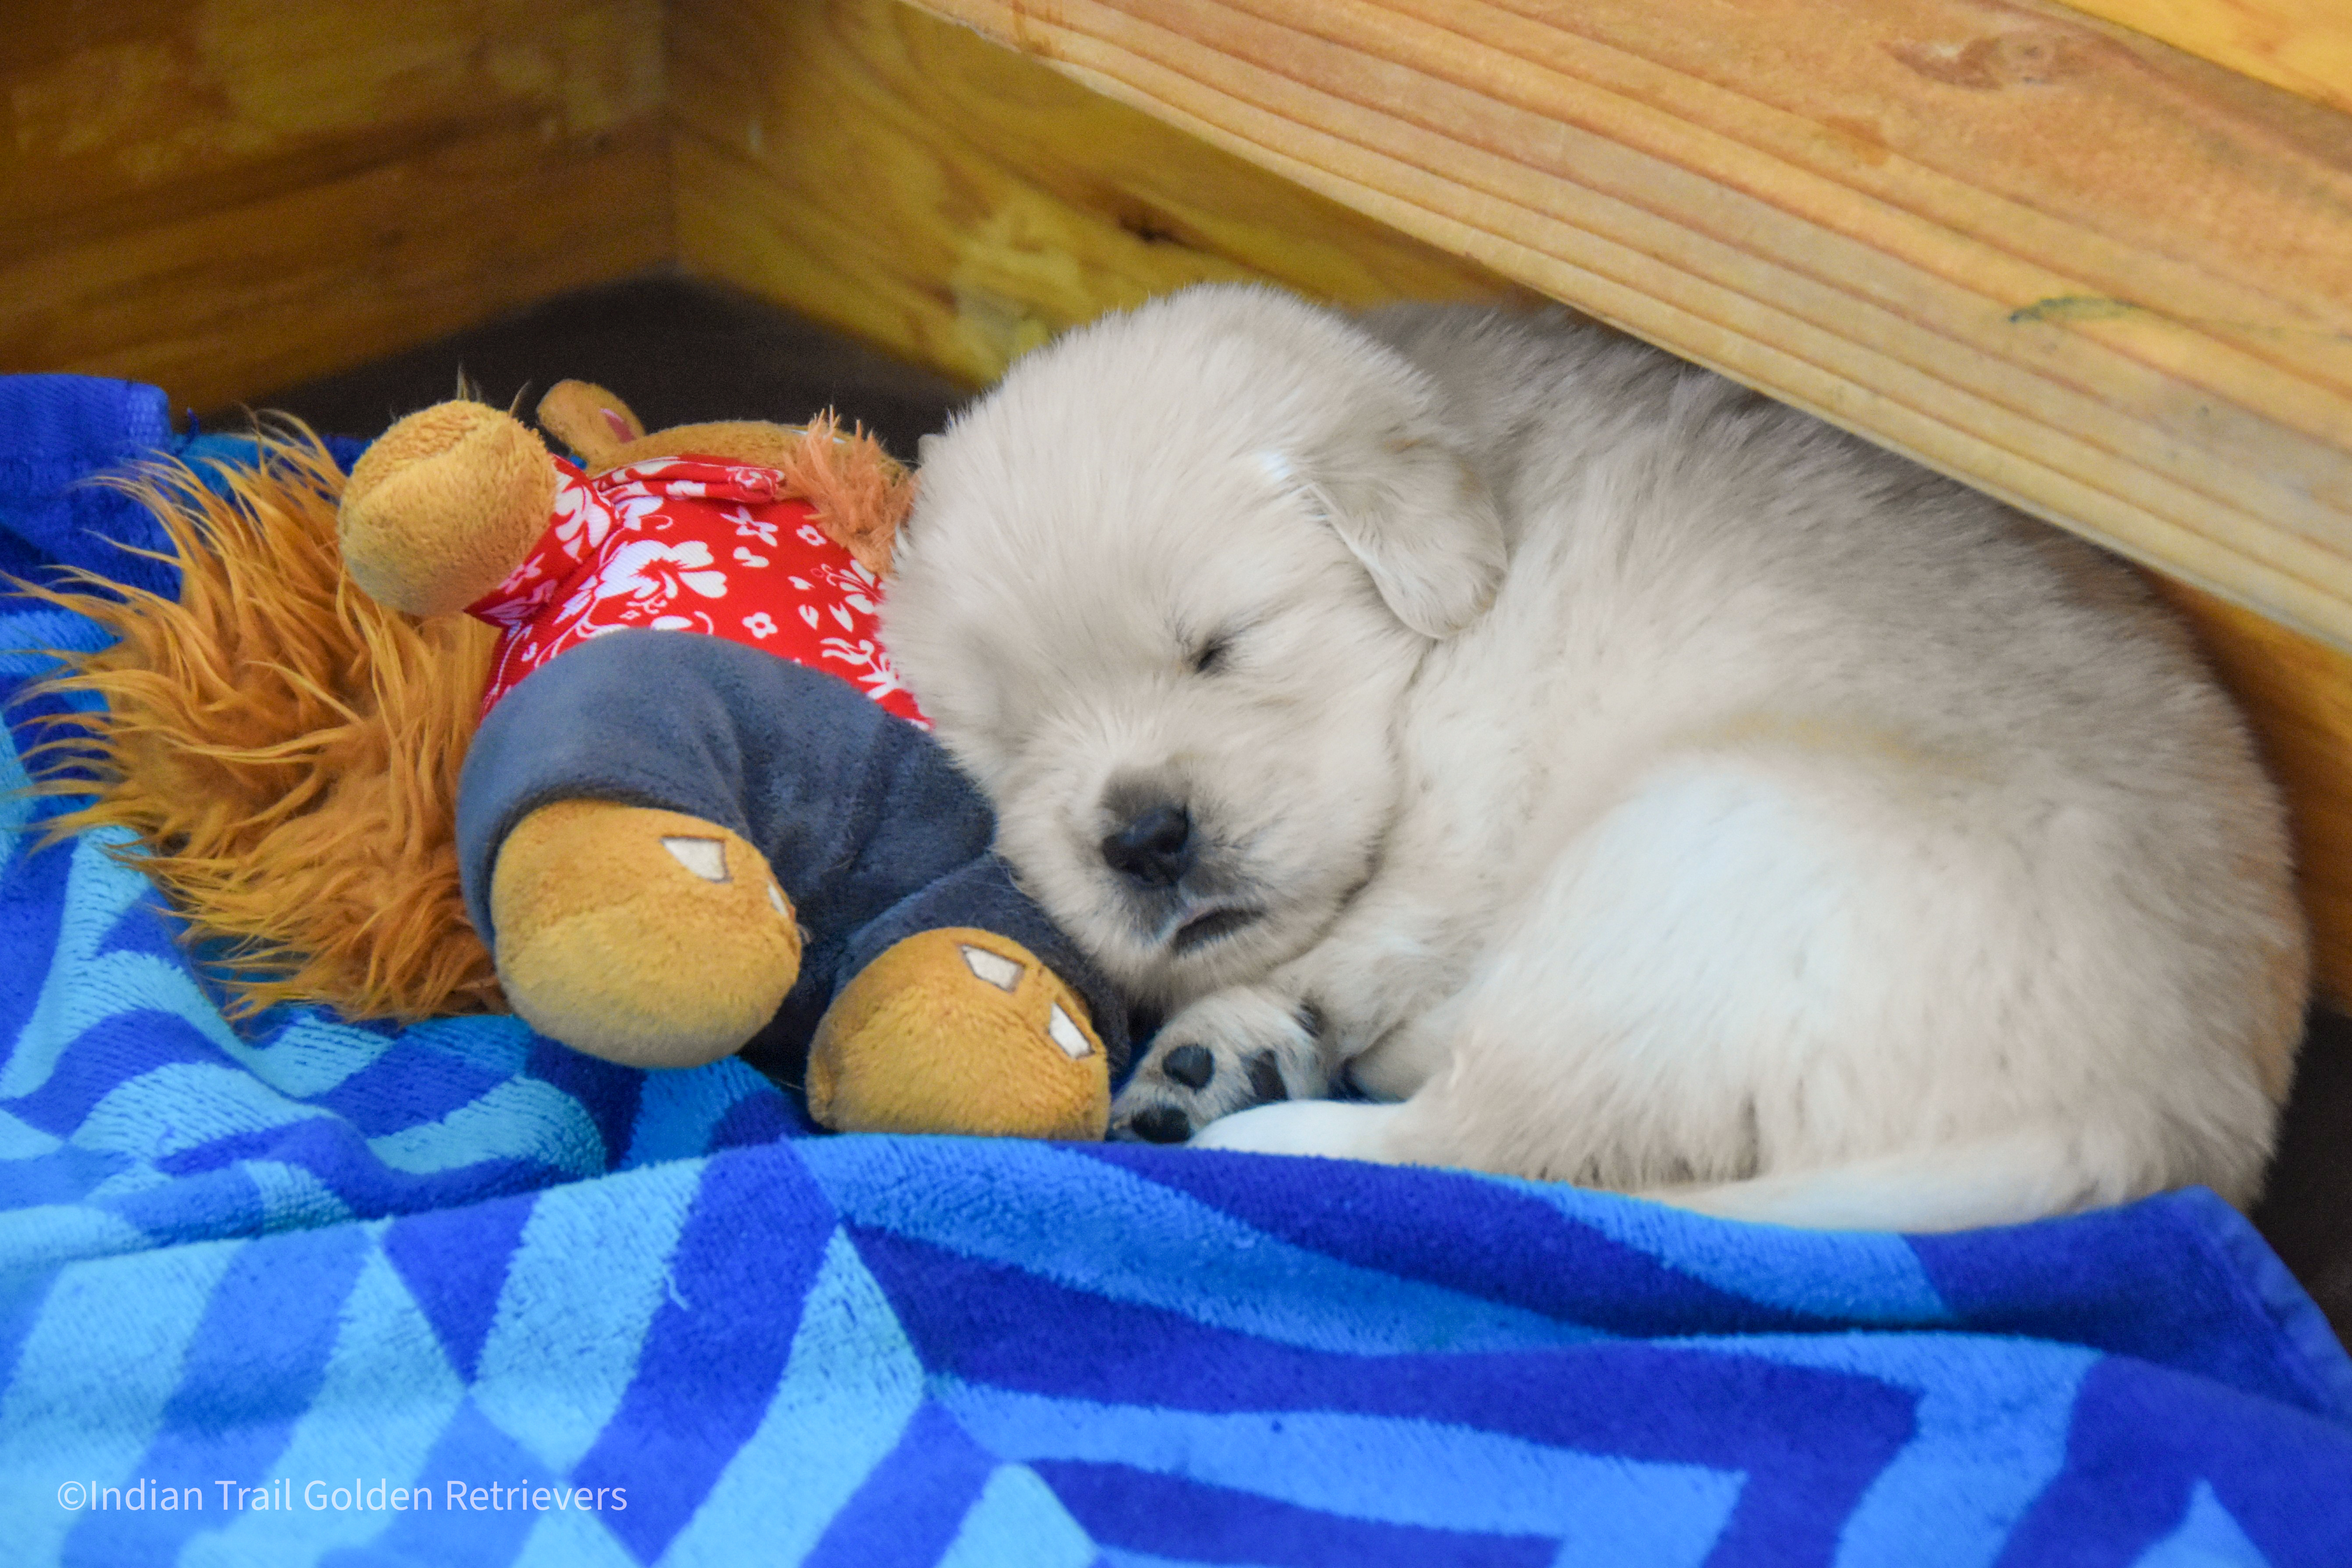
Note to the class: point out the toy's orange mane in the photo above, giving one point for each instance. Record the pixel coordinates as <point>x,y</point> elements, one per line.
<point>284,749</point>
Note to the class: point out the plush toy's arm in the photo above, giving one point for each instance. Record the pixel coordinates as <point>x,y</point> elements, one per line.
<point>444,507</point>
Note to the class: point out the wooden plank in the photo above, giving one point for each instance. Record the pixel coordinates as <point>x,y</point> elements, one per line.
<point>2303,46</point>
<point>2092,275</point>
<point>226,197</point>
<point>906,181</point>
<point>2296,691</point>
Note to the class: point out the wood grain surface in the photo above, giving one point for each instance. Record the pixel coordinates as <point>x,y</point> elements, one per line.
<point>227,196</point>
<point>904,179</point>
<point>2303,46</point>
<point>2296,693</point>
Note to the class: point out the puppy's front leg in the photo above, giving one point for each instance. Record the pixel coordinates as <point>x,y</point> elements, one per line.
<point>1231,1049</point>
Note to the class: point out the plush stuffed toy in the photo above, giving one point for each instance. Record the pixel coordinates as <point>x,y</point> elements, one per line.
<point>697,814</point>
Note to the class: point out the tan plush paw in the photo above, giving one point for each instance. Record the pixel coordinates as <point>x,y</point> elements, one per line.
<point>958,1031</point>
<point>444,507</point>
<point>647,937</point>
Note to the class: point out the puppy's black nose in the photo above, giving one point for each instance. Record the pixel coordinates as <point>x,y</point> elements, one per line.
<point>1154,847</point>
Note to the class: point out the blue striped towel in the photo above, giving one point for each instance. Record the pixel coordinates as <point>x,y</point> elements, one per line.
<point>307,1291</point>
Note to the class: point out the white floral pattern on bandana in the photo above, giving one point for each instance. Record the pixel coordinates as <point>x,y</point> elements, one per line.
<point>691,544</point>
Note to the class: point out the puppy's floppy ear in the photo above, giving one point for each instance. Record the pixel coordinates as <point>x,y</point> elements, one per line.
<point>1416,514</point>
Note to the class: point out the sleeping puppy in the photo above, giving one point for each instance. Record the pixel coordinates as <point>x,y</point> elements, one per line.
<point>1603,772</point>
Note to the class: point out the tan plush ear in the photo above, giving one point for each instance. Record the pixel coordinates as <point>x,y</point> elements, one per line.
<point>1419,517</point>
<point>589,419</point>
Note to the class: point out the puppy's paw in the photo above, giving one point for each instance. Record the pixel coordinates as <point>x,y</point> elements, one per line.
<point>1229,1050</point>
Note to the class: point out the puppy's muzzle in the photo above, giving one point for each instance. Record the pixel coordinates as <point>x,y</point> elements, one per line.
<point>1154,847</point>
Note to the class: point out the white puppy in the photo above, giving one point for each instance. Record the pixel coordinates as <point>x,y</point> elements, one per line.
<point>1622,779</point>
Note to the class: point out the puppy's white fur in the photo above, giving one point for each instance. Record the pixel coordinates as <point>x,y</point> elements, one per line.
<point>1632,781</point>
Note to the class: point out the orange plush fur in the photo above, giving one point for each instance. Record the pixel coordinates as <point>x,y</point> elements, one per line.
<point>285,751</point>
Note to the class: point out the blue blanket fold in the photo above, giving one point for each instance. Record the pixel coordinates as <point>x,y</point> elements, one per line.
<point>307,1291</point>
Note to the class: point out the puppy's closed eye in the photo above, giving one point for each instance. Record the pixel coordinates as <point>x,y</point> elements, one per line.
<point>1210,655</point>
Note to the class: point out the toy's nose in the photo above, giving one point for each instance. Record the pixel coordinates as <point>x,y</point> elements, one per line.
<point>1154,847</point>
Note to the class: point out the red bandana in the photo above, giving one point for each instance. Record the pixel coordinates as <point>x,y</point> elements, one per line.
<point>690,544</point>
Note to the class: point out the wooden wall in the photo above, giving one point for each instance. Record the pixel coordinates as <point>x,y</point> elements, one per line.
<point>226,196</point>
<point>2303,46</point>
<point>2296,691</point>
<point>903,179</point>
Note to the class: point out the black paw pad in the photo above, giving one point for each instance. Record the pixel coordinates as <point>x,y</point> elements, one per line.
<point>1162,1124</point>
<point>1190,1065</point>
<point>1265,1078</point>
